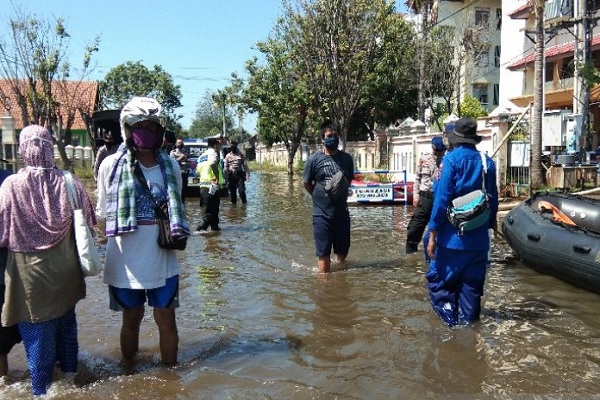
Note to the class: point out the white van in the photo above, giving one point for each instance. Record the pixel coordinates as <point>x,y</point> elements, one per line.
<point>194,147</point>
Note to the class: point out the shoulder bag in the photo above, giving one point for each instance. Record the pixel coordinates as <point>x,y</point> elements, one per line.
<point>338,185</point>
<point>161,211</point>
<point>472,210</point>
<point>89,259</point>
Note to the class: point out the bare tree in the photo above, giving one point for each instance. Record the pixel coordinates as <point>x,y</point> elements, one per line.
<point>428,9</point>
<point>450,55</point>
<point>443,70</point>
<point>34,62</point>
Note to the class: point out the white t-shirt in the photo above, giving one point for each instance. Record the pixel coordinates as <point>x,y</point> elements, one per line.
<point>133,259</point>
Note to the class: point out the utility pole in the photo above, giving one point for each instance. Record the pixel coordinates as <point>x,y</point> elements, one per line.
<point>584,23</point>
<point>224,134</point>
<point>578,56</point>
<point>219,100</point>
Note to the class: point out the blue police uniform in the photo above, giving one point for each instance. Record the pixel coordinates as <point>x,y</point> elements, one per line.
<point>457,275</point>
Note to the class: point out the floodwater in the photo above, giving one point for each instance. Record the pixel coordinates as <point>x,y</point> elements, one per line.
<point>257,321</point>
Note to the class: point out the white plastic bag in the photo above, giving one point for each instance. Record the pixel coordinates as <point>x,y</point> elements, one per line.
<point>89,259</point>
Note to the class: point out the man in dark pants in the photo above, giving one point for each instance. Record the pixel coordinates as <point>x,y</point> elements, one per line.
<point>458,259</point>
<point>423,193</point>
<point>180,154</point>
<point>236,168</point>
<point>210,173</point>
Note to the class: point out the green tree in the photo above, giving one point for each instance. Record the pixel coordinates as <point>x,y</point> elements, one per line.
<point>133,79</point>
<point>34,62</point>
<point>390,92</point>
<point>208,119</point>
<point>337,42</point>
<point>471,108</point>
<point>277,91</point>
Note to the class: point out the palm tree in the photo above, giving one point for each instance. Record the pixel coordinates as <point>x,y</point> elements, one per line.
<point>537,177</point>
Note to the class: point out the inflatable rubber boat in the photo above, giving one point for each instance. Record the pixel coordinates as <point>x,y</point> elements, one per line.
<point>558,234</point>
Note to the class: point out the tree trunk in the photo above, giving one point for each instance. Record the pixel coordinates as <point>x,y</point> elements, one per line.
<point>292,148</point>
<point>537,177</point>
<point>422,67</point>
<point>67,164</point>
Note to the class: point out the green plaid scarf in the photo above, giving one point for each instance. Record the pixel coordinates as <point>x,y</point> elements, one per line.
<point>120,197</point>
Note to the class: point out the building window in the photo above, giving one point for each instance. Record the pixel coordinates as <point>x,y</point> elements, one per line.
<point>549,71</point>
<point>482,59</point>
<point>482,17</point>
<point>496,99</point>
<point>497,56</point>
<point>498,18</point>
<point>480,92</point>
<point>568,68</point>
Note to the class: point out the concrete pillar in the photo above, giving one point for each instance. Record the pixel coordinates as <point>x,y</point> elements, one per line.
<point>70,150</point>
<point>78,156</point>
<point>9,142</point>
<point>88,156</point>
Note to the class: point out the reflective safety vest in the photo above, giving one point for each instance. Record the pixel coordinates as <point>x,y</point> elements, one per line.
<point>205,172</point>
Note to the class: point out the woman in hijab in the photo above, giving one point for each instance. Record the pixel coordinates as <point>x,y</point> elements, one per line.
<point>44,281</point>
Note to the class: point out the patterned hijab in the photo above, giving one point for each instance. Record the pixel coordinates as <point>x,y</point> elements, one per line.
<point>35,213</point>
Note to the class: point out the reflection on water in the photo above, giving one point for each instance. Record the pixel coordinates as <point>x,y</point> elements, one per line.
<point>258,321</point>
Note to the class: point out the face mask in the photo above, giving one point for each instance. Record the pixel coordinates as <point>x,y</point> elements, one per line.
<point>331,142</point>
<point>145,139</point>
<point>446,142</point>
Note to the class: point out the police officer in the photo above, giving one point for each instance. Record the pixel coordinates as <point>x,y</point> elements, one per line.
<point>237,172</point>
<point>210,173</point>
<point>423,193</point>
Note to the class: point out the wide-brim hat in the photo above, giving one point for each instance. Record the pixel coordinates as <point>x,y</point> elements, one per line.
<point>465,131</point>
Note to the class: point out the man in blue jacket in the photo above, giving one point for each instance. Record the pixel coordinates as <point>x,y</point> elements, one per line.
<point>459,260</point>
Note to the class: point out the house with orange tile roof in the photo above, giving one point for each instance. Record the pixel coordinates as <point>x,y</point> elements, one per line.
<point>77,101</point>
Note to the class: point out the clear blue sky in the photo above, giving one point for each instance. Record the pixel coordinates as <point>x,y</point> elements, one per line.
<point>199,42</point>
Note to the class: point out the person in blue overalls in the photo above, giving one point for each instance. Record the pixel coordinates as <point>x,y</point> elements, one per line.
<point>457,270</point>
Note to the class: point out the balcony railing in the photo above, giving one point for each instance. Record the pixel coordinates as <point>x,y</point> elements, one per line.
<point>566,83</point>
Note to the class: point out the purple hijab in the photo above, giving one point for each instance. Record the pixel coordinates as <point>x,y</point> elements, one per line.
<point>35,213</point>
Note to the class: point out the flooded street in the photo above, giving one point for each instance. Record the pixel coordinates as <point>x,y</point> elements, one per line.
<point>257,321</point>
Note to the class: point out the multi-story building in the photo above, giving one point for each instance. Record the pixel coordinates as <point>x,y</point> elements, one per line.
<point>477,48</point>
<point>568,43</point>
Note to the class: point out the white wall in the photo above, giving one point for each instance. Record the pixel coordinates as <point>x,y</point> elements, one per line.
<point>514,47</point>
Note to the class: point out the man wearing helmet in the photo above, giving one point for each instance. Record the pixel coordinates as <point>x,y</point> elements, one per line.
<point>130,183</point>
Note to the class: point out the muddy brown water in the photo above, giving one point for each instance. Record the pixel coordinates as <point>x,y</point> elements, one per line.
<point>257,321</point>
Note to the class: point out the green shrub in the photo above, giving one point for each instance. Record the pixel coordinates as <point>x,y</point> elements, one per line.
<point>84,173</point>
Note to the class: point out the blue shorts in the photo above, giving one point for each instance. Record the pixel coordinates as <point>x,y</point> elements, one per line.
<point>332,232</point>
<point>166,296</point>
